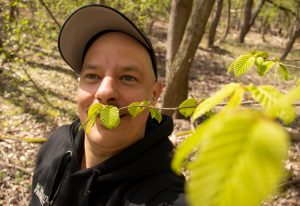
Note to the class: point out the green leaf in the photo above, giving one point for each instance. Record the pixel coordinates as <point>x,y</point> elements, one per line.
<point>284,107</point>
<point>109,116</point>
<point>186,112</point>
<point>95,108</point>
<point>293,95</point>
<point>265,67</point>
<point>155,114</point>
<point>269,65</point>
<point>243,64</point>
<point>258,61</point>
<point>283,71</point>
<point>212,101</point>
<point>188,146</point>
<point>261,69</point>
<point>93,112</point>
<point>236,99</point>
<point>238,162</point>
<point>268,96</point>
<point>231,67</point>
<point>90,123</point>
<point>262,54</point>
<point>135,108</point>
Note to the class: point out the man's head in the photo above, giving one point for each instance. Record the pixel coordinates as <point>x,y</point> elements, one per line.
<point>117,69</point>
<point>88,22</point>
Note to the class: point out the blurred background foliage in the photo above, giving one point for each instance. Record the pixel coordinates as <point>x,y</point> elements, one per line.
<point>28,24</point>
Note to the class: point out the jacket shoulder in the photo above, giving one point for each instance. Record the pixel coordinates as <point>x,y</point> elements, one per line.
<point>55,145</point>
<point>160,190</point>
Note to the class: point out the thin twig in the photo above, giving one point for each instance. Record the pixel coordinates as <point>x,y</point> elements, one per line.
<point>26,139</point>
<point>291,60</point>
<point>50,13</point>
<point>123,109</point>
<point>287,65</point>
<point>283,8</point>
<point>153,107</point>
<point>290,183</point>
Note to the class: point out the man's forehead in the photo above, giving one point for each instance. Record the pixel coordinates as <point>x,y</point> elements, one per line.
<point>115,38</point>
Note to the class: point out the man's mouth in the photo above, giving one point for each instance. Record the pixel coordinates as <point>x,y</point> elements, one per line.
<point>123,112</point>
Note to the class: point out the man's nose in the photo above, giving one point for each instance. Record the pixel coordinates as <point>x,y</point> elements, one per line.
<point>107,92</point>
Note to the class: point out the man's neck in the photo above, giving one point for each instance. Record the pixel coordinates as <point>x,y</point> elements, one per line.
<point>94,155</point>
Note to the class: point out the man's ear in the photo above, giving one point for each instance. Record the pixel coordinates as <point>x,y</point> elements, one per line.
<point>157,89</point>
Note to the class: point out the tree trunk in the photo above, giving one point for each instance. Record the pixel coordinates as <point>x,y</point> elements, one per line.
<point>179,16</point>
<point>214,23</point>
<point>176,89</point>
<point>291,41</point>
<point>3,38</point>
<point>228,20</point>
<point>149,27</point>
<point>256,12</point>
<point>264,28</point>
<point>246,20</point>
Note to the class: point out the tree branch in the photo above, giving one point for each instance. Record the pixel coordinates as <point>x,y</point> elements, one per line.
<point>290,183</point>
<point>283,8</point>
<point>123,109</point>
<point>50,13</point>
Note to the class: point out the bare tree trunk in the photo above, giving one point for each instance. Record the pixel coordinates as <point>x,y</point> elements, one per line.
<point>246,20</point>
<point>179,16</point>
<point>4,33</point>
<point>264,28</point>
<point>1,28</point>
<point>149,27</point>
<point>291,41</point>
<point>228,20</point>
<point>176,89</point>
<point>256,12</point>
<point>214,23</point>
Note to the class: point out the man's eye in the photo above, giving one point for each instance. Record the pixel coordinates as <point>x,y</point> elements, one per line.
<point>91,77</point>
<point>128,78</point>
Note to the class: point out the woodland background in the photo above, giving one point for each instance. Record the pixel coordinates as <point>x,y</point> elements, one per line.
<point>195,41</point>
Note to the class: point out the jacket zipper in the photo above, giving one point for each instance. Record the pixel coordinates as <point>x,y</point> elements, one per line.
<point>51,200</point>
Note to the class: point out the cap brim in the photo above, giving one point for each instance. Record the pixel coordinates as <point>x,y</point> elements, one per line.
<point>85,23</point>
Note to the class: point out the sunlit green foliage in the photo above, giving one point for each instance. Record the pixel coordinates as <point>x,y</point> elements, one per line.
<point>238,159</point>
<point>143,12</point>
<point>136,108</point>
<point>239,153</point>
<point>109,116</point>
<point>190,105</point>
<point>27,25</point>
<point>259,60</point>
<point>212,101</point>
<point>268,97</point>
<point>236,99</point>
<point>155,114</point>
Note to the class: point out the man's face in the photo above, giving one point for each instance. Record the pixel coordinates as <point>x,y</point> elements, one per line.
<point>117,70</point>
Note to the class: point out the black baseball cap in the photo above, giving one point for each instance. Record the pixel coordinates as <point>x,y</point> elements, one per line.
<point>89,21</point>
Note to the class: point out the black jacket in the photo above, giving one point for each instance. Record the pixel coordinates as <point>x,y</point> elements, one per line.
<point>139,175</point>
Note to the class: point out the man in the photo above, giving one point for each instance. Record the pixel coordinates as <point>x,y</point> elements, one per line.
<point>127,165</point>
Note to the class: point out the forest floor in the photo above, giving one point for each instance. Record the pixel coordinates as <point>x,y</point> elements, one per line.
<point>35,102</point>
